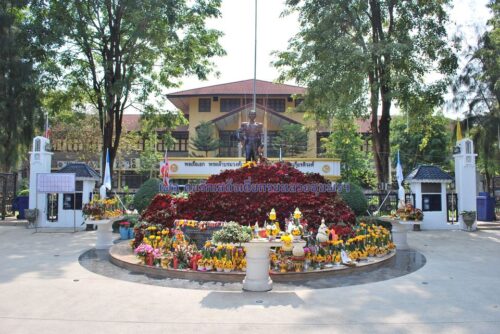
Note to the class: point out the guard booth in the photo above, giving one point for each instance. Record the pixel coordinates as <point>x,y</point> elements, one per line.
<point>429,186</point>
<point>58,197</point>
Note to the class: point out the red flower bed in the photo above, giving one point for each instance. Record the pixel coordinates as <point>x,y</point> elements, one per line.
<point>249,207</point>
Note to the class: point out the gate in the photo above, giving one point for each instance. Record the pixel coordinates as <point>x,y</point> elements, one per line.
<point>452,208</point>
<point>7,192</point>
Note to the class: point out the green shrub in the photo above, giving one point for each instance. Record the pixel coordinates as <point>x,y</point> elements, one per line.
<point>146,193</point>
<point>24,192</point>
<point>355,199</point>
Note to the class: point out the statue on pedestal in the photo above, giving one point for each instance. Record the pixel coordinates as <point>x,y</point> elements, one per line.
<point>250,135</point>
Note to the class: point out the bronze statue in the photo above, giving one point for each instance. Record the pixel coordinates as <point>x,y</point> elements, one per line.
<point>250,135</point>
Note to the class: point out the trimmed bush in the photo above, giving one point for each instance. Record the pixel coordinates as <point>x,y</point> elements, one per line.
<point>246,204</point>
<point>145,194</point>
<point>356,199</point>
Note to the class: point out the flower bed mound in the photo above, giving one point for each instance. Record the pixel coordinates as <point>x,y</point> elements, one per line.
<point>249,207</point>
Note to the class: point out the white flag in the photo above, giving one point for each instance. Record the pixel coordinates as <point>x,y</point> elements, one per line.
<point>107,173</point>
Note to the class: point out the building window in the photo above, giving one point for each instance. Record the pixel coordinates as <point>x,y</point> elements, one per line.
<point>181,141</point>
<point>298,102</point>
<point>249,100</point>
<point>229,104</point>
<point>431,202</point>
<point>276,104</point>
<point>160,147</point>
<point>204,105</point>
<point>69,201</point>
<point>468,147</point>
<point>228,144</point>
<point>320,150</point>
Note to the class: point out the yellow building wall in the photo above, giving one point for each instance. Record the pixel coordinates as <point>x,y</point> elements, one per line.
<point>196,117</point>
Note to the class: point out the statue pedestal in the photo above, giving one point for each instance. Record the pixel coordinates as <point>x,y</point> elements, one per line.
<point>257,275</point>
<point>400,230</point>
<point>104,232</point>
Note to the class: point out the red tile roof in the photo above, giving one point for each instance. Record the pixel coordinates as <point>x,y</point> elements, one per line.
<point>243,87</point>
<point>131,122</point>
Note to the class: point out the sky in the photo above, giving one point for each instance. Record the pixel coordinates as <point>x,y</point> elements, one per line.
<point>274,32</point>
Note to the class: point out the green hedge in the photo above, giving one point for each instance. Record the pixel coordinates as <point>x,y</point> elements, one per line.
<point>145,194</point>
<point>356,199</point>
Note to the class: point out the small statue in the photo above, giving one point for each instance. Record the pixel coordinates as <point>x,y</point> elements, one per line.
<point>250,135</point>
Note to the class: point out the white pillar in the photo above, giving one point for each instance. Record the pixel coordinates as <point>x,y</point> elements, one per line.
<point>465,178</point>
<point>40,162</point>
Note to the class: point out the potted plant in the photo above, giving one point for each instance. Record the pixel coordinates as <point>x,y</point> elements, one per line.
<point>469,218</point>
<point>124,230</point>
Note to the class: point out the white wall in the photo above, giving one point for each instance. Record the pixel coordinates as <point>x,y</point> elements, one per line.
<point>433,220</point>
<point>66,217</point>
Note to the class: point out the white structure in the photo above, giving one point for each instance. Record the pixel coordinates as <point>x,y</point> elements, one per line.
<point>85,180</point>
<point>465,178</point>
<point>428,184</point>
<point>61,208</point>
<point>40,161</point>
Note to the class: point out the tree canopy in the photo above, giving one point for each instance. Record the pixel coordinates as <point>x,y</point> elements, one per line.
<point>204,140</point>
<point>123,53</point>
<point>478,89</point>
<point>359,55</point>
<point>422,140</point>
<point>19,97</point>
<point>344,143</point>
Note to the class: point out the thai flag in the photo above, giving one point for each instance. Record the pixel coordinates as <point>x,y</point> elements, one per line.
<point>164,168</point>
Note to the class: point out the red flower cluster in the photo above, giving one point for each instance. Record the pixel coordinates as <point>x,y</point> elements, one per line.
<point>249,207</point>
<point>343,232</point>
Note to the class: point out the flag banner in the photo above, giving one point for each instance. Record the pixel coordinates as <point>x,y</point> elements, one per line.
<point>164,170</point>
<point>47,127</point>
<point>399,172</point>
<point>107,173</point>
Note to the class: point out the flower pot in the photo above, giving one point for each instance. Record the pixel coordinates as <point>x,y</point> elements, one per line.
<point>176,263</point>
<point>298,250</point>
<point>124,233</point>
<point>469,219</point>
<point>131,233</point>
<point>149,259</point>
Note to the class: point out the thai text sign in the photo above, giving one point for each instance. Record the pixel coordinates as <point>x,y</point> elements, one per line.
<point>202,168</point>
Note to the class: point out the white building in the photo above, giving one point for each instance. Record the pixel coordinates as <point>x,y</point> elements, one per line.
<point>428,185</point>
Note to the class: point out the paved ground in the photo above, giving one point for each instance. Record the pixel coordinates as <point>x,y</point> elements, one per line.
<point>44,289</point>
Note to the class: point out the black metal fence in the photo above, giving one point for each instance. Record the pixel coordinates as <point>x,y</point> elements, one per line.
<point>7,192</point>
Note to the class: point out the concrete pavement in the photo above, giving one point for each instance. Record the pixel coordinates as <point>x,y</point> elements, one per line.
<point>44,289</point>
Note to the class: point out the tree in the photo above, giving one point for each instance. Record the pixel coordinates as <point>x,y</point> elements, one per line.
<point>155,127</point>
<point>122,53</point>
<point>292,139</point>
<point>478,87</point>
<point>204,140</point>
<point>421,141</point>
<point>357,55</point>
<point>19,100</point>
<point>344,143</point>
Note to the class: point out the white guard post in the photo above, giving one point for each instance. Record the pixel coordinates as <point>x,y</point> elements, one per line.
<point>465,179</point>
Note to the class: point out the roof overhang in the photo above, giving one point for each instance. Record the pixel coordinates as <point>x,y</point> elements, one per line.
<point>275,119</point>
